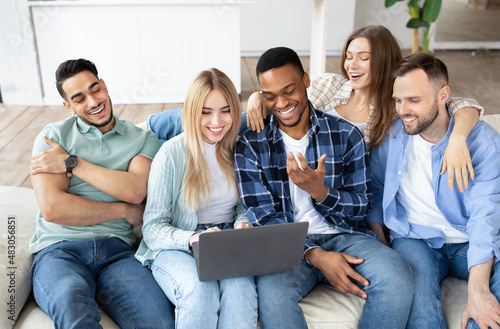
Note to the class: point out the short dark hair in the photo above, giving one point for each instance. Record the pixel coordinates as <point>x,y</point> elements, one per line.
<point>436,70</point>
<point>278,57</point>
<point>70,68</point>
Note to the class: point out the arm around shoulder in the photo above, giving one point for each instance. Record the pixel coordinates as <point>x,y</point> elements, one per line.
<point>457,161</point>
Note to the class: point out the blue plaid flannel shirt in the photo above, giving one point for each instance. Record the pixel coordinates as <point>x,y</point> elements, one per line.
<point>260,162</point>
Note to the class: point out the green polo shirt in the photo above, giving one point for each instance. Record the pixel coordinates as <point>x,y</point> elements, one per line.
<point>113,150</point>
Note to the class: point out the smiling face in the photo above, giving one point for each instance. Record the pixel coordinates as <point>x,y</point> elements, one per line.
<point>357,63</point>
<point>284,91</point>
<point>420,106</point>
<point>87,97</point>
<point>216,119</point>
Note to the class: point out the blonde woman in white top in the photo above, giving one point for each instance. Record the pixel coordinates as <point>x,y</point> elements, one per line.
<point>191,190</point>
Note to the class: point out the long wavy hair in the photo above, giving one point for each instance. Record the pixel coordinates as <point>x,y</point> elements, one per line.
<point>196,181</point>
<point>385,55</point>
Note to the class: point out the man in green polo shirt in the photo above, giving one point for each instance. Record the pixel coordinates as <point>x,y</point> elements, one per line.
<point>89,174</point>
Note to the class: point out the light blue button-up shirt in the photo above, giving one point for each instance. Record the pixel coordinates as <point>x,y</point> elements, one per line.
<point>475,212</point>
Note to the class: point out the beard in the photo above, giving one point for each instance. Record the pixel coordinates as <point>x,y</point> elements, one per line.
<point>103,124</point>
<point>423,122</point>
<point>291,124</point>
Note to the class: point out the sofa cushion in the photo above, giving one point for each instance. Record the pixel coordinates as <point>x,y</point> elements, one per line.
<point>18,209</point>
<point>493,120</point>
<point>33,316</point>
<point>326,308</point>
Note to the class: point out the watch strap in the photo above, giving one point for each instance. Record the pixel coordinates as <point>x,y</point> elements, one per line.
<point>70,162</point>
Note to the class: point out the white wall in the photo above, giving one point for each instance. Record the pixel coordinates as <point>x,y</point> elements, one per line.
<point>19,75</point>
<point>271,23</point>
<point>146,53</point>
<point>373,12</point>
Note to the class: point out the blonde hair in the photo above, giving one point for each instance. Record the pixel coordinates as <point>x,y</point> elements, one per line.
<point>196,181</point>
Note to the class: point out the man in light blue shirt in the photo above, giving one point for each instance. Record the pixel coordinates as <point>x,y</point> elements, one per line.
<point>89,174</point>
<point>439,230</point>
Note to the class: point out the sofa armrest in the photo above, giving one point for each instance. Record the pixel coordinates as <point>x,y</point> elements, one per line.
<point>18,209</point>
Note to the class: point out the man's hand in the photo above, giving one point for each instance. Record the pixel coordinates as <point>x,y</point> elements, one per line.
<point>311,181</point>
<point>484,308</point>
<point>378,229</point>
<point>256,112</point>
<point>134,213</point>
<point>336,267</point>
<point>482,305</point>
<point>50,161</point>
<point>458,163</point>
<point>243,225</point>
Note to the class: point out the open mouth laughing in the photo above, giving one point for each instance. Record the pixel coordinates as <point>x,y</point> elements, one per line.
<point>356,76</point>
<point>98,110</point>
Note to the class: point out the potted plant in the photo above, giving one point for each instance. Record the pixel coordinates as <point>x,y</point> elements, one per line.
<point>423,13</point>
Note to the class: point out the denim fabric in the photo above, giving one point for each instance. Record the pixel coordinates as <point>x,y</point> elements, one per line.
<point>389,293</point>
<point>223,304</point>
<point>71,279</point>
<point>168,124</point>
<point>430,267</point>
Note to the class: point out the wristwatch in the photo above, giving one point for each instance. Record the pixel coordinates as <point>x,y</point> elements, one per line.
<point>70,163</point>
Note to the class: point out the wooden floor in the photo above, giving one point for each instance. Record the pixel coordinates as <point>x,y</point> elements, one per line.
<point>460,22</point>
<point>475,76</point>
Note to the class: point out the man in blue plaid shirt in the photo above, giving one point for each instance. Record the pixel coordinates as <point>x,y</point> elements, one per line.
<point>308,166</point>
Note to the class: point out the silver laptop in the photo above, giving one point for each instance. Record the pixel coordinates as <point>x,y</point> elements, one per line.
<point>250,251</point>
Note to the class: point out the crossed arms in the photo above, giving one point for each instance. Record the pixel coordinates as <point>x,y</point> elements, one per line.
<point>48,175</point>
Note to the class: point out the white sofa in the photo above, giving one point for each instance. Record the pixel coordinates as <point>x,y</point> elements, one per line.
<point>324,307</point>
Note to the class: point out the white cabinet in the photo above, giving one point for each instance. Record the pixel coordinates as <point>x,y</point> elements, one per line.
<point>145,51</point>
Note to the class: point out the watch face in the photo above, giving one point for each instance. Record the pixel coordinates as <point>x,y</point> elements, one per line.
<point>70,162</point>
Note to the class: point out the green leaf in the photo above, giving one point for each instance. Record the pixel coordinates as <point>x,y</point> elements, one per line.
<point>415,12</point>
<point>413,3</point>
<point>389,3</point>
<point>415,23</point>
<point>430,11</point>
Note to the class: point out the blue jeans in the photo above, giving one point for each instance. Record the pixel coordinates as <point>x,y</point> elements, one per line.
<point>430,267</point>
<point>223,304</point>
<point>168,124</point>
<point>390,291</point>
<point>71,279</point>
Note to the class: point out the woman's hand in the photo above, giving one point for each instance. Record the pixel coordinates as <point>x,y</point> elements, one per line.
<point>243,225</point>
<point>196,236</point>
<point>458,163</point>
<point>256,112</point>
<point>193,238</point>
